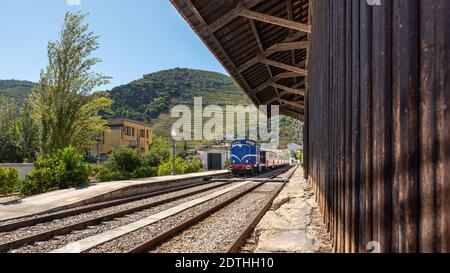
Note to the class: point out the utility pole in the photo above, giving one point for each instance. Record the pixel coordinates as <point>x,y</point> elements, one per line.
<point>174,152</point>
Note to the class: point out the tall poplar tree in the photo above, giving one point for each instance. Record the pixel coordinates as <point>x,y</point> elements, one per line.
<point>64,110</point>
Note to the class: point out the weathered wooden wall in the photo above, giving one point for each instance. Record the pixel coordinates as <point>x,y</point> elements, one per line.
<point>378,123</point>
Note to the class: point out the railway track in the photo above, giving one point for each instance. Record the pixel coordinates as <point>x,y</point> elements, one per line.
<point>224,230</point>
<point>77,230</point>
<point>19,232</point>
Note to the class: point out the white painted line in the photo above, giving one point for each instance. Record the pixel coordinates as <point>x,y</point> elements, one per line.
<point>93,241</point>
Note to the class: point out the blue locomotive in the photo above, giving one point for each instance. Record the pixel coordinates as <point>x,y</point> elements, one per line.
<point>248,159</point>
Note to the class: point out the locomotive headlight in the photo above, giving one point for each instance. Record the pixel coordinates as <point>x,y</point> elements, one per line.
<point>246,161</point>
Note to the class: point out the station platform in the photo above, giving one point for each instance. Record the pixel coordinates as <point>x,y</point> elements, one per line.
<point>74,197</point>
<point>294,223</point>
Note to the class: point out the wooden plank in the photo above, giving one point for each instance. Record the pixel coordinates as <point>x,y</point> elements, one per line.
<point>287,46</point>
<point>300,104</point>
<point>355,128</point>
<point>406,141</point>
<point>382,110</point>
<point>300,71</point>
<point>232,14</point>
<point>348,133</point>
<point>275,48</point>
<point>275,20</point>
<point>260,45</point>
<point>442,65</point>
<point>289,89</point>
<point>366,147</point>
<point>429,238</point>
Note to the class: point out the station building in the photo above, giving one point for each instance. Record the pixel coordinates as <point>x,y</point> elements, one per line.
<point>123,133</point>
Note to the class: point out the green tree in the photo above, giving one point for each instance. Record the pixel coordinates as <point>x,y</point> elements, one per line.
<point>8,114</point>
<point>9,150</point>
<point>63,109</point>
<point>159,152</point>
<point>24,134</point>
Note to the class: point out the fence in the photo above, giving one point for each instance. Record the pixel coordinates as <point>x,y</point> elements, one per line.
<point>377,123</point>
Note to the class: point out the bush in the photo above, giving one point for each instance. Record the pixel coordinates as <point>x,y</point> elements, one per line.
<point>106,175</point>
<point>60,170</point>
<point>191,166</point>
<point>299,157</point>
<point>127,163</point>
<point>145,172</point>
<point>9,180</point>
<point>158,153</point>
<point>125,160</point>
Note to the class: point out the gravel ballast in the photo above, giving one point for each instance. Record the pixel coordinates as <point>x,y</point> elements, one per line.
<point>133,239</point>
<point>61,241</point>
<point>217,233</point>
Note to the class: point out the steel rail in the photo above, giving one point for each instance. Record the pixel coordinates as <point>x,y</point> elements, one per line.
<point>47,217</point>
<point>47,235</point>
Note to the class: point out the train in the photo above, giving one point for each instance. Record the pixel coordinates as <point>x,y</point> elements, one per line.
<point>247,158</point>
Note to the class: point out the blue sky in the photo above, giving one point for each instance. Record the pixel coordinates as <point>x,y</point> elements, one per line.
<point>137,37</point>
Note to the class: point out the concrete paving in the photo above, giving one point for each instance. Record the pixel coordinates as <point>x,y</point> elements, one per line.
<point>293,224</point>
<point>69,198</point>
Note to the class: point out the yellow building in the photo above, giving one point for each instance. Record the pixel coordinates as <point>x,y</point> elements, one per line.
<point>123,133</point>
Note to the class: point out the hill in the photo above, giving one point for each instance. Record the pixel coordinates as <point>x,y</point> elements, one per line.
<point>150,98</point>
<point>158,92</point>
<point>16,89</point>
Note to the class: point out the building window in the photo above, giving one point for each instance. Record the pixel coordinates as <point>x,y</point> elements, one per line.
<point>127,131</point>
<point>133,131</point>
<point>148,133</point>
<point>142,133</point>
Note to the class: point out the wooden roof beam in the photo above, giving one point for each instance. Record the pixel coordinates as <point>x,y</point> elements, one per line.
<point>291,31</point>
<point>286,89</point>
<point>286,75</point>
<point>275,20</point>
<point>273,80</point>
<point>271,50</point>
<point>287,46</point>
<point>298,104</point>
<point>217,44</point>
<point>271,100</point>
<point>291,68</point>
<point>300,92</point>
<point>232,14</point>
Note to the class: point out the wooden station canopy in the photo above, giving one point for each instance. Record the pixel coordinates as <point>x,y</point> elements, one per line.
<point>263,44</point>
